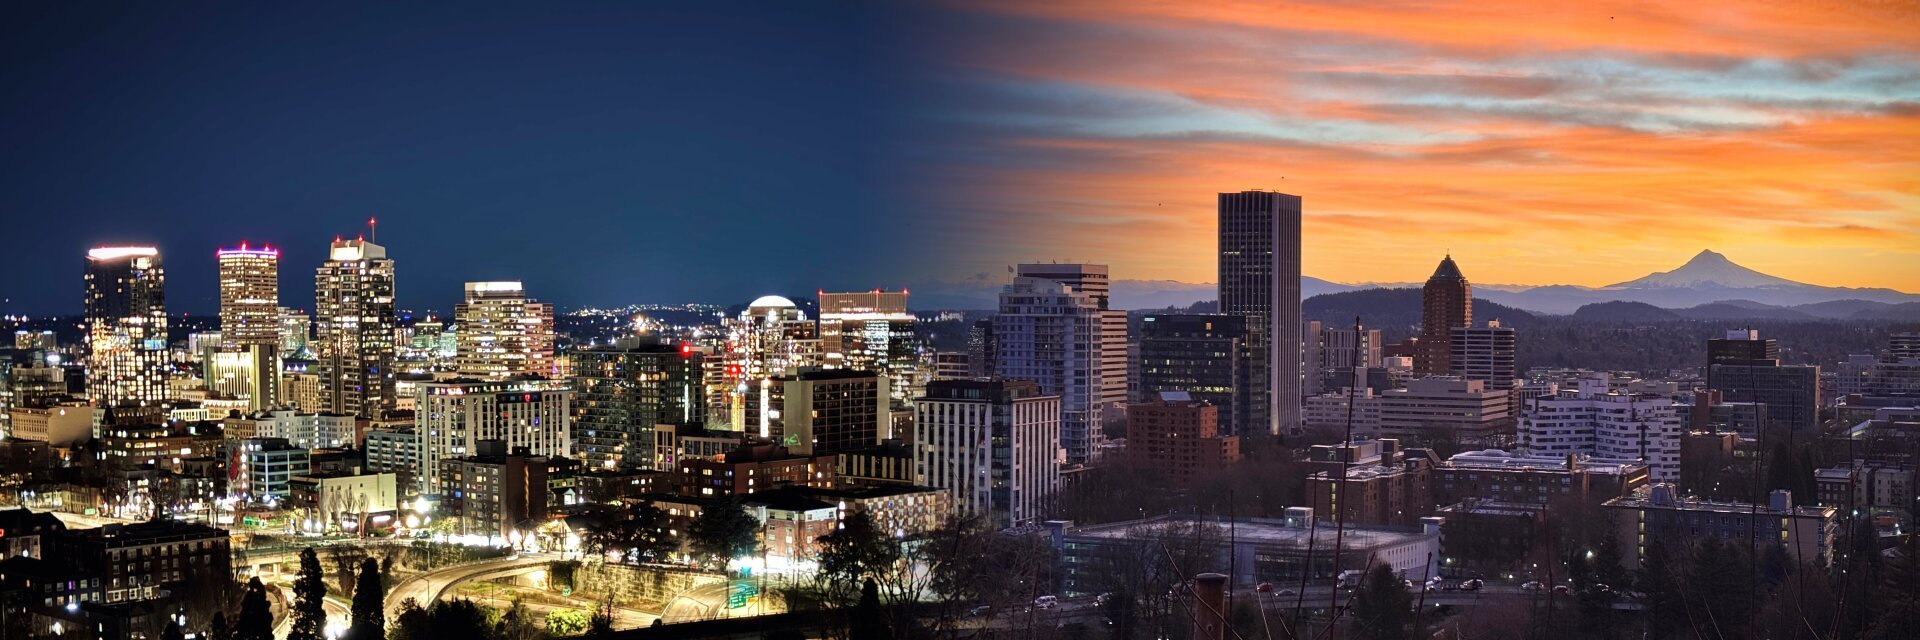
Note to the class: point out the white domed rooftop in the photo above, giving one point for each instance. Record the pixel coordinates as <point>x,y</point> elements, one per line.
<point>771,302</point>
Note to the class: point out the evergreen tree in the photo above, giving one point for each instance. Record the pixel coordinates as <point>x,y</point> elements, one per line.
<point>1899,597</point>
<point>369,604</point>
<point>412,622</point>
<point>1667,610</point>
<point>218,629</point>
<point>256,616</point>
<point>172,632</point>
<point>869,621</point>
<point>1382,608</point>
<point>723,532</point>
<point>309,594</point>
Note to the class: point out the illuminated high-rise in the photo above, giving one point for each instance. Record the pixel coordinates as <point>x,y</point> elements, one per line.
<point>250,320</point>
<point>354,329</point>
<point>872,331</point>
<point>503,333</point>
<point>1052,333</point>
<point>1259,279</point>
<point>772,338</point>
<point>126,315</point>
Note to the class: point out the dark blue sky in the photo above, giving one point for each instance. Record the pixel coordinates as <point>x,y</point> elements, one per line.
<point>604,154</point>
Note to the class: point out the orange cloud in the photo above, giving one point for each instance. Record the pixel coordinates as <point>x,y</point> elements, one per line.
<point>1581,145</point>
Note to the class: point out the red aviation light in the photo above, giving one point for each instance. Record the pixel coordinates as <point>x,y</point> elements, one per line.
<point>686,349</point>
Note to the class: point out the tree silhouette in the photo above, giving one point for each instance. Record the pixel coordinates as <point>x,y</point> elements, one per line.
<point>1381,610</point>
<point>256,617</point>
<point>725,531</point>
<point>369,604</point>
<point>309,593</point>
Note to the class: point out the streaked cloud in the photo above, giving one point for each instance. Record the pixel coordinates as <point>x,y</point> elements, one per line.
<point>1540,144</point>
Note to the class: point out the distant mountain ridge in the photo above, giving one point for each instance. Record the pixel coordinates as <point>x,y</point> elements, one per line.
<point>1709,279</point>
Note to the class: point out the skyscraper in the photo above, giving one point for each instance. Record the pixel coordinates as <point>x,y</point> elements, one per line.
<point>626,388</point>
<point>1052,333</point>
<point>1260,279</point>
<point>250,320</point>
<point>873,331</point>
<point>354,329</point>
<point>126,314</point>
<point>455,416</point>
<point>503,333</point>
<point>1203,355</point>
<point>1446,302</point>
<point>1092,279</point>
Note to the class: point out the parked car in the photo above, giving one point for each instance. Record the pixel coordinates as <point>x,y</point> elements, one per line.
<point>1532,586</point>
<point>1046,602</point>
<point>1288,592</point>
<point>1562,589</point>
<point>979,611</point>
<point>1264,587</point>
<point>1101,600</point>
<point>1472,585</point>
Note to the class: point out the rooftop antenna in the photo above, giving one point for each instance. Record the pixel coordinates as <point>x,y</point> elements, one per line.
<point>373,230</point>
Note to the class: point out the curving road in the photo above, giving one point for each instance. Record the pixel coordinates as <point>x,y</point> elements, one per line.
<point>428,587</point>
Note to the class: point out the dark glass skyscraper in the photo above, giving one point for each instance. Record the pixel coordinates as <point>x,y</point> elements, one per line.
<point>1204,355</point>
<point>1260,280</point>
<point>1446,302</point>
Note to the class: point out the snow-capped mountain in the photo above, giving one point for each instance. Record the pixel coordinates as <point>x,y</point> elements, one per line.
<point>1707,269</point>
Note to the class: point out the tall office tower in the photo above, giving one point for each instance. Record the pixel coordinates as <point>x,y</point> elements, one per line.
<point>1742,346</point>
<point>623,389</point>
<point>1606,426</point>
<point>993,445</point>
<point>1092,279</point>
<point>1446,302</point>
<point>873,331</point>
<point>1204,355</point>
<point>1051,334</point>
<point>126,313</point>
<point>296,333</point>
<point>453,417</point>
<point>1483,353</point>
<point>250,321</point>
<point>353,327</point>
<point>982,348</point>
<point>1260,279</point>
<point>503,333</point>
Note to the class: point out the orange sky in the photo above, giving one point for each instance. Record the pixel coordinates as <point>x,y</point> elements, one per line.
<point>1540,144</point>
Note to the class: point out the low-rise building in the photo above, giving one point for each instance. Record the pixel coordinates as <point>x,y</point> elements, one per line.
<point>496,494</point>
<point>1260,550</point>
<point>1658,515</point>
<point>754,467</point>
<point>888,463</point>
<point>1496,475</point>
<point>342,500</point>
<point>1179,437</point>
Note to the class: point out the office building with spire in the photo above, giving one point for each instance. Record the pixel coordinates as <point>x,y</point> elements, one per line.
<point>126,321</point>
<point>1259,276</point>
<point>354,329</point>
<point>1446,302</point>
